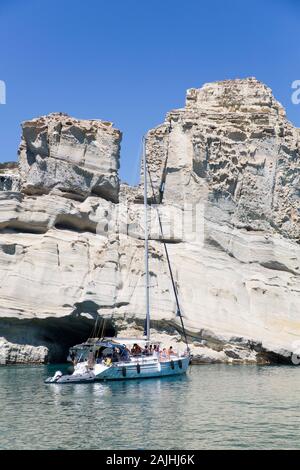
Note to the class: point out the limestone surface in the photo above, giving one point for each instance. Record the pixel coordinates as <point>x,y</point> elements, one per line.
<point>69,156</point>
<point>225,172</point>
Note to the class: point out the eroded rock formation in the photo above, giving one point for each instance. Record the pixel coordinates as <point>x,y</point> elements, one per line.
<point>226,176</point>
<point>70,157</point>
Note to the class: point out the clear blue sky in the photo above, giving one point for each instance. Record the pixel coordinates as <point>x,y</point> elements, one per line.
<point>131,61</point>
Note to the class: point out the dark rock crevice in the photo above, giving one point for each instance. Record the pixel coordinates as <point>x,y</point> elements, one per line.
<point>55,334</point>
<point>77,224</point>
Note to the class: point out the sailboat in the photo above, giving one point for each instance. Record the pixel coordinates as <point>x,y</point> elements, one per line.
<point>129,358</point>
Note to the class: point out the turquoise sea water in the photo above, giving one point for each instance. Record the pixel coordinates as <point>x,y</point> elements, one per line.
<point>212,407</point>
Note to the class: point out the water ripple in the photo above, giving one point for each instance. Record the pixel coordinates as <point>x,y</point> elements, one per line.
<point>213,407</point>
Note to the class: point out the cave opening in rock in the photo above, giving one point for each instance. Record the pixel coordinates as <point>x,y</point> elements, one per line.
<point>55,334</point>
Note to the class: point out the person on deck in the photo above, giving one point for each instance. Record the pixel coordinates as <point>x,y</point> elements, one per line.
<point>125,354</point>
<point>91,359</point>
<point>115,356</point>
<point>171,352</point>
<point>136,350</point>
<point>155,350</point>
<point>164,355</point>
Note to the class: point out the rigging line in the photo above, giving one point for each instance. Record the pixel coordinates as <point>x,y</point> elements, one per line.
<point>145,170</point>
<point>99,331</point>
<point>103,327</point>
<point>93,331</point>
<point>164,173</point>
<point>169,263</point>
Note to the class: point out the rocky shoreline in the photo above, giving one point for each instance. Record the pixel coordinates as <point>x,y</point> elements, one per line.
<point>225,171</point>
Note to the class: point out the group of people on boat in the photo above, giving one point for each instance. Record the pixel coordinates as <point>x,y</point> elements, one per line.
<point>120,354</point>
<point>152,350</point>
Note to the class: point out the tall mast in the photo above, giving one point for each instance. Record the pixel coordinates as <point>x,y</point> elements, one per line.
<point>179,314</point>
<point>147,329</point>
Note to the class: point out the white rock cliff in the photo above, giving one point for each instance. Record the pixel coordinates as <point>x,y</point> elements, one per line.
<point>226,175</point>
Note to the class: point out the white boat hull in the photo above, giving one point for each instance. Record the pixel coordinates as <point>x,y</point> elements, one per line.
<point>134,367</point>
<point>142,369</point>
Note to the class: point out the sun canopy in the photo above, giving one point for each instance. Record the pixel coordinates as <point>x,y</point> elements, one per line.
<point>100,344</point>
